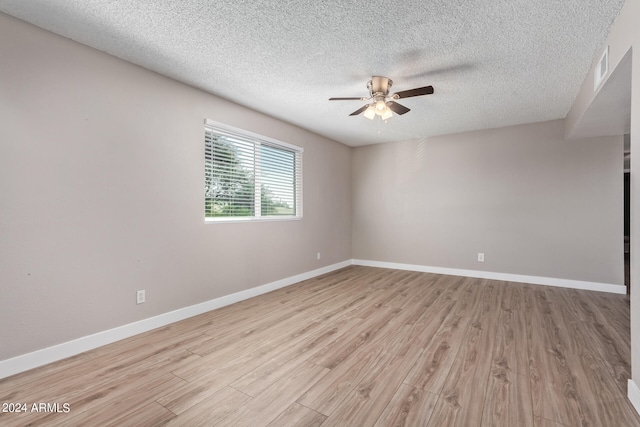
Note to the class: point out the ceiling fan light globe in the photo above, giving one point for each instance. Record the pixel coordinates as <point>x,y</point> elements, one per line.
<point>381,106</point>
<point>370,112</point>
<point>387,114</point>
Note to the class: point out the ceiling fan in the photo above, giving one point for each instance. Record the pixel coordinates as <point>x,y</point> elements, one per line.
<point>383,104</point>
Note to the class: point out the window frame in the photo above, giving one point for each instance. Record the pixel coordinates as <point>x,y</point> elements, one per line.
<point>257,139</point>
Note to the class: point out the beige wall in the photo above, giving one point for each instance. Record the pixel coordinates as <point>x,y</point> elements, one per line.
<point>101,194</point>
<point>534,203</point>
<point>623,38</point>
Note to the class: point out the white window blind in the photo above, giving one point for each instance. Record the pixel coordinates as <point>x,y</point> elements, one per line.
<point>248,176</point>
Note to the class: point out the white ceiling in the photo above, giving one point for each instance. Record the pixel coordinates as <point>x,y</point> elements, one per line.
<point>493,63</point>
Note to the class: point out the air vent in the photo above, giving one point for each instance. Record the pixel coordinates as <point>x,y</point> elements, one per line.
<point>601,69</point>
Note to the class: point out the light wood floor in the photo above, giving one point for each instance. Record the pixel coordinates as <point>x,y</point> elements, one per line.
<point>358,347</point>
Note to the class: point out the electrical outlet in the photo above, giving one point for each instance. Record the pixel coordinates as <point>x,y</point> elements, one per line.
<point>480,257</point>
<point>318,255</point>
<point>140,297</point>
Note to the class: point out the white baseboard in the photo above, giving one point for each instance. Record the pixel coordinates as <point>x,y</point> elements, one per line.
<point>536,280</point>
<point>633,393</point>
<point>37,358</point>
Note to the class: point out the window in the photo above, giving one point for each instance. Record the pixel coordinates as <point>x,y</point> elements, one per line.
<point>250,177</point>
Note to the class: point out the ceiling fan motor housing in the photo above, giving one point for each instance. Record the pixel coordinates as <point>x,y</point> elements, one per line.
<point>379,85</point>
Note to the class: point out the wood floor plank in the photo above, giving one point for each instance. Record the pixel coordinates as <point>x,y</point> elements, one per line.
<point>363,405</point>
<point>543,422</point>
<point>298,415</point>
<point>252,352</point>
<point>21,386</point>
<point>362,296</point>
<point>120,404</point>
<point>609,406</point>
<point>94,407</point>
<point>408,407</point>
<point>262,410</point>
<point>89,369</point>
<point>359,346</point>
<point>508,400</point>
<point>611,305</point>
<point>462,399</point>
<point>52,373</point>
<point>570,383</point>
<point>432,370</point>
<point>151,414</point>
<point>190,394</point>
<point>512,353</point>
<point>365,332</point>
<point>330,392</point>
<point>211,410</point>
<point>266,374</point>
<point>431,290</point>
<point>211,374</point>
<point>121,398</point>
<point>251,333</point>
<point>596,333</point>
<point>376,304</point>
<point>553,384</point>
<point>87,391</point>
<point>508,396</point>
<point>590,371</point>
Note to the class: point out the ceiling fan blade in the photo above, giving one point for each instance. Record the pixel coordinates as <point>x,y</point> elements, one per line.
<point>399,109</point>
<point>359,110</point>
<point>427,90</point>
<point>348,99</point>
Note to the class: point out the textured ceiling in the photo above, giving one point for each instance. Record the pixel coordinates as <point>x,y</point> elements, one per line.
<point>493,63</point>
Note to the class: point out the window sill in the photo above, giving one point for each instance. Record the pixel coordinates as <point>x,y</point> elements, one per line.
<point>251,219</point>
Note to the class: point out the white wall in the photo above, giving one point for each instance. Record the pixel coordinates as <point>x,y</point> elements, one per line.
<point>534,203</point>
<point>101,194</point>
